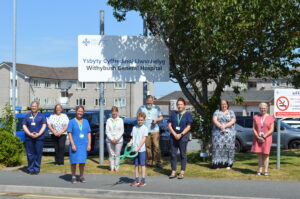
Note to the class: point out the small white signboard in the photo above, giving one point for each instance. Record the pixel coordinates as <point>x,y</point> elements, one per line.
<point>287,103</point>
<point>122,59</point>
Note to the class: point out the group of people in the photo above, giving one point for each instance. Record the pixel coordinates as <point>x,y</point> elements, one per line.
<point>223,137</point>
<point>145,137</point>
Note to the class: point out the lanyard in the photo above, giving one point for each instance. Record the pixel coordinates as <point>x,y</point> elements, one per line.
<point>179,118</point>
<point>33,118</point>
<point>148,113</point>
<point>114,123</point>
<point>262,120</point>
<point>79,125</point>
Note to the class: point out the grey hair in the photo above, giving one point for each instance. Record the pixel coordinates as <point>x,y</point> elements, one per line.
<point>263,104</point>
<point>35,102</point>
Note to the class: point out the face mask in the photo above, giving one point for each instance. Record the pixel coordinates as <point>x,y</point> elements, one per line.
<point>149,106</point>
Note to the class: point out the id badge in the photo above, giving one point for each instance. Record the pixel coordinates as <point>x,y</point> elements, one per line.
<point>261,134</point>
<point>81,135</point>
<point>178,128</point>
<point>149,118</point>
<point>30,117</point>
<point>32,123</point>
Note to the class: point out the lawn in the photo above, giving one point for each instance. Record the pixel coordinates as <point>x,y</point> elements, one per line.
<point>245,167</point>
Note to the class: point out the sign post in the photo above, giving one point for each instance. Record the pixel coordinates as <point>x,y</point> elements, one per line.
<point>286,104</point>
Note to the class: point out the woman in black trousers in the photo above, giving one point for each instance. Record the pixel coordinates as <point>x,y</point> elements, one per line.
<point>179,124</point>
<point>58,124</point>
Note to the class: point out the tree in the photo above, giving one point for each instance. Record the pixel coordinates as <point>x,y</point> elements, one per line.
<point>8,119</point>
<point>218,41</point>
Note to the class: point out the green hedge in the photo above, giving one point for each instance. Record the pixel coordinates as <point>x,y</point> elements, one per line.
<point>11,149</point>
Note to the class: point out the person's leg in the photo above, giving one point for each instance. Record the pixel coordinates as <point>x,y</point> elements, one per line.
<point>39,153</point>
<point>137,173</point>
<point>73,173</point>
<point>55,143</point>
<point>61,149</point>
<point>174,149</point>
<point>149,149</point>
<point>260,162</point>
<point>182,148</point>
<point>30,155</point>
<point>118,149</point>
<point>81,169</point>
<point>266,162</point>
<point>156,148</point>
<point>110,148</point>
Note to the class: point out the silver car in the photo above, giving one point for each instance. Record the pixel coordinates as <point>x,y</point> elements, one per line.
<point>290,137</point>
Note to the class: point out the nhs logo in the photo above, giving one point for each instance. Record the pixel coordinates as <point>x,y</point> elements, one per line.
<point>86,42</point>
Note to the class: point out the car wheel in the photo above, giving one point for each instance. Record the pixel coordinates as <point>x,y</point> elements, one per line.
<point>238,147</point>
<point>295,144</point>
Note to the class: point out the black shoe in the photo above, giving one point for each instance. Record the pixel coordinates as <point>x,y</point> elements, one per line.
<point>159,165</point>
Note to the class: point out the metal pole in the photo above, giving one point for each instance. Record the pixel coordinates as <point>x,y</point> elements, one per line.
<point>145,84</point>
<point>278,142</point>
<point>101,99</point>
<point>14,57</point>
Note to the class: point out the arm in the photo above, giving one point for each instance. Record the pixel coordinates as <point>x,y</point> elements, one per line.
<point>271,130</point>
<point>63,130</point>
<point>27,131</point>
<point>41,131</point>
<point>72,141</point>
<point>121,131</point>
<point>89,141</point>
<point>186,130</point>
<point>52,129</point>
<point>229,124</point>
<point>216,122</point>
<point>158,119</point>
<point>107,130</point>
<point>140,145</point>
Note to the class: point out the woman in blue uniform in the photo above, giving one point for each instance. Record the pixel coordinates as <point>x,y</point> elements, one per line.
<point>34,125</point>
<point>79,132</point>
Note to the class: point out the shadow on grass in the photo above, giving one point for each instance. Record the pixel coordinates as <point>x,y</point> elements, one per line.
<point>106,167</point>
<point>244,170</point>
<point>23,169</point>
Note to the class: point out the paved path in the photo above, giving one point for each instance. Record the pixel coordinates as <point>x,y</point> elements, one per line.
<point>115,186</point>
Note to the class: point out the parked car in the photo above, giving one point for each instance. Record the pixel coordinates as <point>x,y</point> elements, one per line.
<point>290,137</point>
<point>93,119</point>
<point>293,122</point>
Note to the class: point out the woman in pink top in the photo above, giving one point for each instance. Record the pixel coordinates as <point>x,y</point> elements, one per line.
<point>263,127</point>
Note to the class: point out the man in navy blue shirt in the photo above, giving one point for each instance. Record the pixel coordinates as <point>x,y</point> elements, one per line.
<point>34,125</point>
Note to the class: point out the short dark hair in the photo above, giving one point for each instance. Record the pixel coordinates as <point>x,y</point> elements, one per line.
<point>79,107</point>
<point>114,108</point>
<point>226,103</point>
<point>55,107</point>
<point>181,99</point>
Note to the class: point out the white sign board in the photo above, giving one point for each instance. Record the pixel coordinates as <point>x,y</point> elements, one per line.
<point>287,103</point>
<point>122,59</point>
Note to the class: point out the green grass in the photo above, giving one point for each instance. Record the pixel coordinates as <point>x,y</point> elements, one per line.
<point>245,167</point>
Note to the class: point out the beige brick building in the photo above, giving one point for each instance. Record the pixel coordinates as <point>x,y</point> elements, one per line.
<point>46,84</point>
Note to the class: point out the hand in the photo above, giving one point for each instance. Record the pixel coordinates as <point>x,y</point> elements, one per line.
<point>129,144</point>
<point>260,140</point>
<point>73,148</point>
<point>115,141</point>
<point>223,129</point>
<point>135,150</point>
<point>33,135</point>
<point>154,121</point>
<point>177,136</point>
<point>55,133</point>
<point>89,148</point>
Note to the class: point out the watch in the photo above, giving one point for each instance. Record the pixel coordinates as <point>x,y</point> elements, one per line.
<point>181,134</point>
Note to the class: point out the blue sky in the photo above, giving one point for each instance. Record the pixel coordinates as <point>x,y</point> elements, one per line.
<point>47,31</point>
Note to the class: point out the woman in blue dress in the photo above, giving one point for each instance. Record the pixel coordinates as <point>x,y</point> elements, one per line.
<point>79,132</point>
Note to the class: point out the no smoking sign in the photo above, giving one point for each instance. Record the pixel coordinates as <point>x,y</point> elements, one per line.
<point>282,103</point>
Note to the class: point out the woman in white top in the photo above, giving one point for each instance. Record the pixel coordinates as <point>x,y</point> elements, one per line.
<point>58,125</point>
<point>114,137</point>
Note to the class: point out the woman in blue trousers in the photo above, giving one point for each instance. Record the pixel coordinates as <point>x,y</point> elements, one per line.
<point>34,125</point>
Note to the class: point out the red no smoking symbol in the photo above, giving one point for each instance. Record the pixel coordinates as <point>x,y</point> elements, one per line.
<point>282,103</point>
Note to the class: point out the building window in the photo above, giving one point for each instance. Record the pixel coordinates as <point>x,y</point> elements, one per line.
<point>120,102</point>
<point>81,85</point>
<point>47,101</point>
<point>252,84</point>
<point>57,84</point>
<point>98,85</point>
<point>120,85</point>
<point>36,83</point>
<point>11,82</point>
<point>47,84</point>
<point>275,83</point>
<point>80,101</point>
<point>97,102</point>
<point>289,84</point>
<point>36,99</point>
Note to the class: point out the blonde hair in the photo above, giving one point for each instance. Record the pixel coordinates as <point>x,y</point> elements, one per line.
<point>263,104</point>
